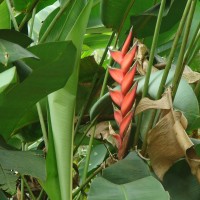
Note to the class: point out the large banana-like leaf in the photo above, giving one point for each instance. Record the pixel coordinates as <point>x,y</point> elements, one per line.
<point>49,74</point>
<point>70,26</point>
<point>126,180</point>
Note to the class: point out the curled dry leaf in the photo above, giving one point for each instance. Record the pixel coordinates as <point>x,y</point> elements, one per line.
<point>190,75</point>
<point>103,131</point>
<point>143,66</point>
<point>168,141</point>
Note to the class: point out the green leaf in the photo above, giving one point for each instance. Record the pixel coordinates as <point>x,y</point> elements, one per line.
<point>180,183</point>
<point>8,78</point>
<point>147,188</point>
<point>23,6</point>
<point>97,156</point>
<point>10,52</point>
<point>40,18</point>
<point>88,68</point>
<point>15,37</point>
<point>4,16</point>
<point>51,185</point>
<point>127,170</point>
<point>62,103</point>
<point>95,24</point>
<point>25,163</point>
<point>144,24</point>
<point>96,41</point>
<point>49,74</point>
<point>8,180</point>
<point>113,11</point>
<point>2,196</point>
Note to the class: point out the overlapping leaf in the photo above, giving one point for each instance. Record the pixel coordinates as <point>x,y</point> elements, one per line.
<point>49,74</point>
<point>167,141</point>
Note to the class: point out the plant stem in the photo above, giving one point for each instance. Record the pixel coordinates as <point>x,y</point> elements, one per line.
<point>106,74</point>
<point>197,89</point>
<point>29,190</point>
<point>30,9</point>
<point>88,180</point>
<point>32,21</point>
<point>54,21</point>
<point>22,181</point>
<point>93,83</point>
<point>84,134</point>
<point>155,1</point>
<point>42,123</point>
<point>85,104</point>
<point>12,15</point>
<point>87,160</point>
<point>40,195</point>
<point>124,19</point>
<point>180,64</point>
<point>151,58</point>
<point>166,70</point>
<point>192,44</point>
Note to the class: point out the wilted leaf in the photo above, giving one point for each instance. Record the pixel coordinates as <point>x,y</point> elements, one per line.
<point>168,141</point>
<point>190,75</point>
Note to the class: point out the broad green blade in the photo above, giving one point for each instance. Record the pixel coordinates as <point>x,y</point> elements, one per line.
<point>180,183</point>
<point>147,188</point>
<point>62,103</point>
<point>24,162</point>
<point>127,170</point>
<point>49,74</point>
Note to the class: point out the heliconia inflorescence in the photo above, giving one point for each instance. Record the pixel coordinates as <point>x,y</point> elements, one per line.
<point>124,97</point>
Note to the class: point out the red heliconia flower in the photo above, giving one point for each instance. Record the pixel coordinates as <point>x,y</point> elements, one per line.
<point>124,97</point>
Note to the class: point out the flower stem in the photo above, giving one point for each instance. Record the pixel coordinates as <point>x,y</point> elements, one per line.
<point>32,21</point>
<point>124,18</point>
<point>41,194</point>
<point>166,70</point>
<point>180,64</point>
<point>151,58</point>
<point>28,13</point>
<point>88,180</point>
<point>22,181</point>
<point>106,74</point>
<point>12,15</point>
<point>29,189</point>
<point>87,160</point>
<point>93,84</point>
<point>42,123</point>
<point>192,45</point>
<point>84,134</point>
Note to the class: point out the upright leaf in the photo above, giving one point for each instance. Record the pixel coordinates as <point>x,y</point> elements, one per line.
<point>62,102</point>
<point>4,16</point>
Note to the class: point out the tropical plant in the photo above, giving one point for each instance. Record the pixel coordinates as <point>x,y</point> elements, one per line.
<point>64,134</point>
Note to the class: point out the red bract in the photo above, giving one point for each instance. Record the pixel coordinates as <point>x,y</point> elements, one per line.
<point>124,97</point>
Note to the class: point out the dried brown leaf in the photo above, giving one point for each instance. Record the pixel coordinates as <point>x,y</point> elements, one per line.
<point>147,103</point>
<point>168,141</point>
<point>163,148</point>
<point>190,75</point>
